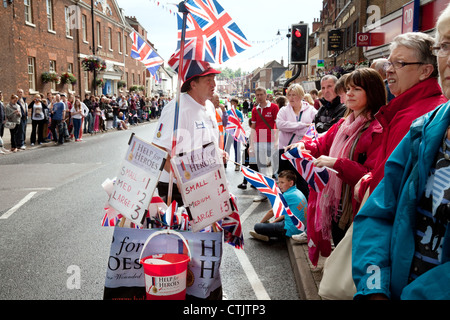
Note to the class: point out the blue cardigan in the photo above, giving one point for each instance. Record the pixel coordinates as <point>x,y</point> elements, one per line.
<point>383,234</point>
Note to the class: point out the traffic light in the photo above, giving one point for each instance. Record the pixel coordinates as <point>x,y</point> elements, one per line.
<point>299,44</point>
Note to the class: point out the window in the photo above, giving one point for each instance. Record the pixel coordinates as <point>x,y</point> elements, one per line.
<point>125,45</point>
<point>52,68</point>
<point>110,39</point>
<point>50,15</point>
<point>70,70</point>
<point>83,27</point>
<point>28,11</point>
<point>119,42</point>
<point>99,35</point>
<point>31,74</point>
<point>68,25</point>
<point>86,81</point>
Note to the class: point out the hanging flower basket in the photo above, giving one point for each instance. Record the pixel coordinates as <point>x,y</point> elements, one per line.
<point>50,77</point>
<point>99,83</point>
<point>121,84</point>
<point>362,64</point>
<point>68,78</point>
<point>93,63</point>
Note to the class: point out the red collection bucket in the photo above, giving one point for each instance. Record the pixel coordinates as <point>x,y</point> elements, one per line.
<point>165,274</point>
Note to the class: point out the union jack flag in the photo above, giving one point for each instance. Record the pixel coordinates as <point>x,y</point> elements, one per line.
<point>316,177</point>
<point>111,217</point>
<point>311,134</point>
<point>231,226</point>
<point>142,51</point>
<point>270,189</point>
<point>217,36</point>
<point>235,128</point>
<point>196,46</point>
<point>190,67</point>
<point>295,153</point>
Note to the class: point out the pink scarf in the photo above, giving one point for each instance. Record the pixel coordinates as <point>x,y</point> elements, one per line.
<point>330,196</point>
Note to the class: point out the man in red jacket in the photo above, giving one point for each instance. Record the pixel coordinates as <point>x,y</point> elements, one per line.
<point>263,121</point>
<point>412,78</point>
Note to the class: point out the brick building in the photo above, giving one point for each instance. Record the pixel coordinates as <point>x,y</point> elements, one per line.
<point>350,17</point>
<point>42,36</point>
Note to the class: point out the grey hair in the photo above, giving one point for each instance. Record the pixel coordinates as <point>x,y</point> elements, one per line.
<point>443,20</point>
<point>422,45</point>
<point>329,77</point>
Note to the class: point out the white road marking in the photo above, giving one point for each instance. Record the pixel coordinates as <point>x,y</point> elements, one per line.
<point>250,272</point>
<point>8,213</point>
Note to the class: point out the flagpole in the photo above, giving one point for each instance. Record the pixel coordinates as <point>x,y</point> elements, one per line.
<point>184,11</point>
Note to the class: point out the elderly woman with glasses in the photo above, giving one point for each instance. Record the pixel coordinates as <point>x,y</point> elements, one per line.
<point>411,73</point>
<point>401,237</point>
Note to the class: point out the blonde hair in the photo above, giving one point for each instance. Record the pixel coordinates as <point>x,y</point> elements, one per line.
<point>309,99</point>
<point>296,89</point>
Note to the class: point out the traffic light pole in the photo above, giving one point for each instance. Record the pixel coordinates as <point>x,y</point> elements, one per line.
<point>288,81</point>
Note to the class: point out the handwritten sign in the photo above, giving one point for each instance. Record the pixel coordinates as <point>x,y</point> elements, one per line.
<point>203,185</point>
<point>137,179</point>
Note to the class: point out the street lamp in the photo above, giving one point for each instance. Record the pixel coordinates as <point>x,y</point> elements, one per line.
<point>288,35</point>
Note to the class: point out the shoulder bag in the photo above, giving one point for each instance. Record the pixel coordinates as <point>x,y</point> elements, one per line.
<point>337,280</point>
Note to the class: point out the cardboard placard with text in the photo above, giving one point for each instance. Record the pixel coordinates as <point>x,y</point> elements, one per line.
<point>203,185</point>
<point>137,179</point>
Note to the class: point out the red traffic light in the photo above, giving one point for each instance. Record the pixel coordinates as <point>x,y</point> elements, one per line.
<point>297,33</point>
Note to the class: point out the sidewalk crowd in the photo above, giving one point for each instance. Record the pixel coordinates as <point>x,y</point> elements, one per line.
<point>383,135</point>
<point>61,117</point>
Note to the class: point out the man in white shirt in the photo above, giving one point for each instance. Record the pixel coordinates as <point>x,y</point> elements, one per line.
<point>197,124</point>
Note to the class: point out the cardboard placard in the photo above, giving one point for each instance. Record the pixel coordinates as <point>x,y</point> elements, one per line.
<point>203,185</point>
<point>137,179</point>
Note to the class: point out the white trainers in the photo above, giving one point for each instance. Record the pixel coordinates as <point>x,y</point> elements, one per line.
<point>300,238</point>
<point>259,198</point>
<point>259,236</point>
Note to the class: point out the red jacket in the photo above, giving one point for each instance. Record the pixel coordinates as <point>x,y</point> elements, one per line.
<point>364,156</point>
<point>350,171</point>
<point>396,119</point>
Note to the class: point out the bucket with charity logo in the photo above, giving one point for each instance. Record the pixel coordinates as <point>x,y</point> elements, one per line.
<point>165,273</point>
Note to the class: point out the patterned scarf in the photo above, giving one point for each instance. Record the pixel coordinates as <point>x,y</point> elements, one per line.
<point>345,139</point>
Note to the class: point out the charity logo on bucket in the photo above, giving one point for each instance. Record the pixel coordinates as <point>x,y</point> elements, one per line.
<point>165,286</point>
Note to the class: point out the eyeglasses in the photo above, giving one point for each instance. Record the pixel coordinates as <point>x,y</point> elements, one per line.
<point>443,50</point>
<point>399,64</point>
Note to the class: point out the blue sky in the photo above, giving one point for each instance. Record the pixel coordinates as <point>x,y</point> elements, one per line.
<point>259,21</point>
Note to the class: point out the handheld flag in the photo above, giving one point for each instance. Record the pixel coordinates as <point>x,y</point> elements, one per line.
<point>234,127</point>
<point>142,51</point>
<point>270,189</point>
<point>311,134</point>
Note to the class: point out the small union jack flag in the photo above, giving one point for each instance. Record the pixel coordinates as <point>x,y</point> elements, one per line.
<point>111,217</point>
<point>234,127</point>
<point>231,226</point>
<point>311,134</point>
<point>142,51</point>
<point>295,153</point>
<point>270,189</point>
<point>220,37</point>
<point>316,177</point>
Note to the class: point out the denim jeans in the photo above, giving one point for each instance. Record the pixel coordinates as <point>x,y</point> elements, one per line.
<point>274,229</point>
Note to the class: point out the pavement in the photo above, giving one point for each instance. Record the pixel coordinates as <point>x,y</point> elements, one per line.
<point>307,277</point>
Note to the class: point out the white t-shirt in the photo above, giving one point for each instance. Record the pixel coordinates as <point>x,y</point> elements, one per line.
<point>197,126</point>
<point>38,112</point>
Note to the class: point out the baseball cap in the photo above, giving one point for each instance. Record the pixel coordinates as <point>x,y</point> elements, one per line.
<point>197,69</point>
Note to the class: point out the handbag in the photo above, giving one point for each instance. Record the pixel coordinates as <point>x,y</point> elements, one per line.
<point>10,125</point>
<point>337,280</point>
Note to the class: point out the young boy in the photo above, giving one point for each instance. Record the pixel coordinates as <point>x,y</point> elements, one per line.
<point>283,226</point>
